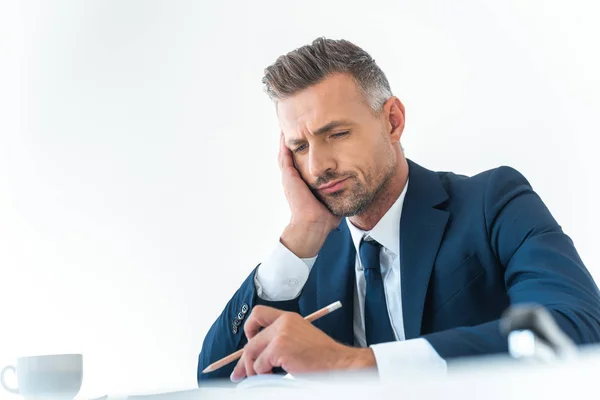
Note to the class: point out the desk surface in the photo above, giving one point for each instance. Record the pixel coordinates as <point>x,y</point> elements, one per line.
<point>489,378</point>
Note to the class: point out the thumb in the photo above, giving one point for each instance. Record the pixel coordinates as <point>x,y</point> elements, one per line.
<point>260,317</point>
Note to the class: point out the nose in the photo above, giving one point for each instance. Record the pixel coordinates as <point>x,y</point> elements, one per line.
<point>320,161</point>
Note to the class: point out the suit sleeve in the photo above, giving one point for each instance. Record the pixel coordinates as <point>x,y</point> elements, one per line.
<point>541,266</point>
<point>226,335</point>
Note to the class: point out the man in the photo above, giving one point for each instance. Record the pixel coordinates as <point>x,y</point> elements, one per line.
<point>423,262</point>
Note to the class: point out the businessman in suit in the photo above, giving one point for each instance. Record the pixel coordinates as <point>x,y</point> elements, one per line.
<point>423,262</point>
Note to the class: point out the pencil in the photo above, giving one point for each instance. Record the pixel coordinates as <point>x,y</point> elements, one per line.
<point>234,356</point>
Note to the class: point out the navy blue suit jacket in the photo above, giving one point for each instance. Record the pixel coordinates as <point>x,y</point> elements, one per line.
<point>469,248</point>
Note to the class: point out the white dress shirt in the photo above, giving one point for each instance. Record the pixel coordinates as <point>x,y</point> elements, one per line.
<point>283,275</point>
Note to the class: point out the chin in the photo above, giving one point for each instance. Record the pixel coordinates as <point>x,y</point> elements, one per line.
<point>336,209</point>
<point>344,210</point>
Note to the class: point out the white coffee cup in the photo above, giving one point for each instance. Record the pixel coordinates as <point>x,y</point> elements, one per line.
<point>56,376</point>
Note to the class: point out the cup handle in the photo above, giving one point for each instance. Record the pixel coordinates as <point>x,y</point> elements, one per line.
<point>8,388</point>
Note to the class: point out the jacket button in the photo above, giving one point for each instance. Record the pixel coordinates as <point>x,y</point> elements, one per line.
<point>245,308</point>
<point>234,329</point>
<point>237,322</point>
<point>241,315</point>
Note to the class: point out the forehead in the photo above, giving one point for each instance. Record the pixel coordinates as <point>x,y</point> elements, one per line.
<point>337,97</point>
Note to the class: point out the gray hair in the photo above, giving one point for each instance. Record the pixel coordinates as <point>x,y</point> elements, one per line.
<point>310,64</point>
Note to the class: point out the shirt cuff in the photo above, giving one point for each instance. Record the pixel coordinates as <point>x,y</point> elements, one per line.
<point>412,356</point>
<point>283,275</point>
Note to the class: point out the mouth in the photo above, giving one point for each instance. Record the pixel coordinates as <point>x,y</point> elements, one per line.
<point>332,187</point>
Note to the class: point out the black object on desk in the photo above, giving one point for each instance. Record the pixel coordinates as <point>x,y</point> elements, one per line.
<point>533,333</point>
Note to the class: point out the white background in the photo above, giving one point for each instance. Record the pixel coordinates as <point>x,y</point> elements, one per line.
<point>138,167</point>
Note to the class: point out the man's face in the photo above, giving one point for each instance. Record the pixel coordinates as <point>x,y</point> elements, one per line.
<point>336,138</point>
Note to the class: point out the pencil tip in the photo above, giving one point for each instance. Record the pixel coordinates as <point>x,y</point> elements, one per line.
<point>207,369</point>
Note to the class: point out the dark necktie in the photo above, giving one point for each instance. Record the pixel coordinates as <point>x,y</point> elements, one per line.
<point>377,322</point>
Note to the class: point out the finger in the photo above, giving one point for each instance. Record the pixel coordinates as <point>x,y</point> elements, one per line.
<point>260,317</point>
<point>269,358</point>
<point>249,364</point>
<point>239,371</point>
<point>285,154</point>
<point>280,154</point>
<point>257,345</point>
<point>252,350</point>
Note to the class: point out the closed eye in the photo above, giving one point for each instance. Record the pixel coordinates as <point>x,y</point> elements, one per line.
<point>336,135</point>
<point>303,147</point>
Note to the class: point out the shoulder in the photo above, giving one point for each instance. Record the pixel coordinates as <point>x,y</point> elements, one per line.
<point>488,190</point>
<point>491,181</point>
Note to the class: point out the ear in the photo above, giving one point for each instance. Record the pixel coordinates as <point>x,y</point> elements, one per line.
<point>393,110</point>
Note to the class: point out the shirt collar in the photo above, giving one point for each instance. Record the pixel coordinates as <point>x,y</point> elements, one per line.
<point>387,231</point>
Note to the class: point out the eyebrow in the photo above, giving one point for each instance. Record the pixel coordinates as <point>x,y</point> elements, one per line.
<point>321,131</point>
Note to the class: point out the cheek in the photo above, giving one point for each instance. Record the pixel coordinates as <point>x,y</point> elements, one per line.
<point>357,161</point>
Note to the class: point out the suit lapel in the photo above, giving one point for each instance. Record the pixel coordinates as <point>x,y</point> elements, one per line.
<point>335,280</point>
<point>421,230</point>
